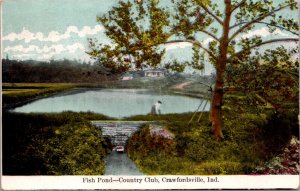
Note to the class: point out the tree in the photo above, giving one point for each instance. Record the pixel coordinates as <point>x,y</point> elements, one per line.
<point>227,46</point>
<point>271,78</point>
<point>219,33</point>
<point>131,39</point>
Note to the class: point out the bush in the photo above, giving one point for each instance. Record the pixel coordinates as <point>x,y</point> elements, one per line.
<point>153,153</point>
<point>279,129</point>
<point>52,144</point>
<point>76,149</point>
<point>200,146</point>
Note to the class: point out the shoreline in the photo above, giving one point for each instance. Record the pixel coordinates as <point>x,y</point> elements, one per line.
<point>53,91</point>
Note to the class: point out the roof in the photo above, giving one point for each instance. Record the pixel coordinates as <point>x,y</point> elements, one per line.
<point>155,70</point>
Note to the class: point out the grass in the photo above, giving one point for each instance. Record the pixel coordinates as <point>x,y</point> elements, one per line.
<point>17,91</point>
<point>20,93</point>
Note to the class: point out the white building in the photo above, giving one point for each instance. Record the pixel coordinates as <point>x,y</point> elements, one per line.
<point>154,73</point>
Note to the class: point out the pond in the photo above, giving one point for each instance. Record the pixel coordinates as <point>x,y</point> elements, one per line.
<point>117,103</point>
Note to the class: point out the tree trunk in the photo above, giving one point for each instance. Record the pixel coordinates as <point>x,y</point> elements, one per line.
<point>217,98</point>
<point>216,107</point>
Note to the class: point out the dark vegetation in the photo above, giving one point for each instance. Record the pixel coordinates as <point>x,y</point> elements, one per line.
<point>287,162</point>
<point>52,144</point>
<point>54,71</point>
<point>250,139</point>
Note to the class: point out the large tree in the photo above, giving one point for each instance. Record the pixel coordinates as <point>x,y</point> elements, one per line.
<point>228,25</point>
<point>220,32</point>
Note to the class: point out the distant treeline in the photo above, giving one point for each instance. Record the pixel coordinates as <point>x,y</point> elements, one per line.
<point>55,71</point>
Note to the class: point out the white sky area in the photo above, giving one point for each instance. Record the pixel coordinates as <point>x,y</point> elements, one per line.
<point>58,29</point>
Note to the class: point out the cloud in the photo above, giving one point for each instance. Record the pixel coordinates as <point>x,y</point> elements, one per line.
<point>263,32</point>
<point>24,35</point>
<point>21,48</point>
<point>206,41</point>
<point>73,48</point>
<point>45,52</point>
<point>23,56</point>
<point>57,48</point>
<point>53,36</point>
<point>177,45</point>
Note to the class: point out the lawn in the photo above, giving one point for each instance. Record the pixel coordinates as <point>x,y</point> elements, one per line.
<point>14,94</point>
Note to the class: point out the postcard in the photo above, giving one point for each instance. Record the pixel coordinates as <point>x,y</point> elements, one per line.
<point>149,94</point>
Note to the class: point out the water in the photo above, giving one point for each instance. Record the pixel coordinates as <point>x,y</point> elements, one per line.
<point>120,164</point>
<point>117,103</point>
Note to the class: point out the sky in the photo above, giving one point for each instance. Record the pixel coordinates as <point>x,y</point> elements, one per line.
<point>51,29</point>
<point>57,29</point>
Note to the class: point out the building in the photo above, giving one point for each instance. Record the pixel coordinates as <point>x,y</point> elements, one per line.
<point>154,73</point>
<point>127,77</point>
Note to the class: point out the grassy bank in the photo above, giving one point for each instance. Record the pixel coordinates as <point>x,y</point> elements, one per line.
<point>251,138</point>
<point>53,144</point>
<point>17,94</point>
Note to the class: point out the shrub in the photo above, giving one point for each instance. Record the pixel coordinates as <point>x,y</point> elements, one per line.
<point>52,144</point>
<point>279,129</point>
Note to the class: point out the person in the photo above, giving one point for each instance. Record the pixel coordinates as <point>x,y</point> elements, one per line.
<point>155,110</point>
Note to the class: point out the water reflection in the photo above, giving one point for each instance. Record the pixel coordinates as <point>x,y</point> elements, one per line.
<point>120,164</point>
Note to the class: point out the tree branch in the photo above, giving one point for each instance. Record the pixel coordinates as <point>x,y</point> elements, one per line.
<point>261,44</point>
<point>238,5</point>
<point>210,13</point>
<point>210,34</point>
<point>192,42</point>
<point>268,24</point>
<point>257,20</point>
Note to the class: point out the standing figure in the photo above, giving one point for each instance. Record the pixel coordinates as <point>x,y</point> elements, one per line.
<point>155,110</point>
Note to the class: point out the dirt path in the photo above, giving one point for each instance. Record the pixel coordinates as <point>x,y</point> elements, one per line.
<point>182,85</point>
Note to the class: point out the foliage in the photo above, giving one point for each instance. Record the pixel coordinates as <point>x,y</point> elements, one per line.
<point>154,154</point>
<point>133,29</point>
<point>279,128</point>
<point>55,71</point>
<point>272,78</point>
<point>285,163</point>
<point>220,167</point>
<point>52,144</point>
